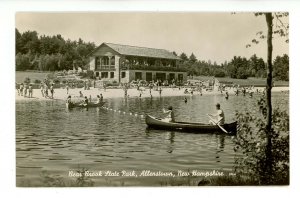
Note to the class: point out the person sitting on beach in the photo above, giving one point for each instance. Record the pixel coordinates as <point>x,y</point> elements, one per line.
<point>219,116</point>
<point>170,117</point>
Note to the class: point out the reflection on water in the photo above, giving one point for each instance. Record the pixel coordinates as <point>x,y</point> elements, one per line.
<point>53,139</point>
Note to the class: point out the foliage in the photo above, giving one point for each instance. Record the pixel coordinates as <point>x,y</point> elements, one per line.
<point>37,81</point>
<point>238,67</point>
<point>51,76</point>
<point>281,68</point>
<point>22,62</point>
<point>27,80</point>
<point>50,53</point>
<point>219,73</point>
<point>192,58</point>
<point>56,81</point>
<point>251,141</point>
<point>280,28</point>
<point>87,74</point>
<point>183,56</point>
<point>54,53</point>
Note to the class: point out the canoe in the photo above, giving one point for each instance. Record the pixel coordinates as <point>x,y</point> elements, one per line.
<point>157,123</point>
<point>74,105</point>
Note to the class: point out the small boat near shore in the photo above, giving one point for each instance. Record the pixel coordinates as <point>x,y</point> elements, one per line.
<point>80,105</point>
<point>157,123</point>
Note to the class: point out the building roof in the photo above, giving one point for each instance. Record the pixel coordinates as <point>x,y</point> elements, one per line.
<point>141,51</point>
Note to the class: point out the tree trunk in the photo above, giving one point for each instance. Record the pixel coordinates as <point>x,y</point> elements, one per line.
<point>269,20</point>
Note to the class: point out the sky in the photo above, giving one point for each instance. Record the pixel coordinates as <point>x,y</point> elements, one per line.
<point>210,36</point>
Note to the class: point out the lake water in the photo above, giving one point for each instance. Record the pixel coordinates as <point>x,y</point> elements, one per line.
<point>51,140</point>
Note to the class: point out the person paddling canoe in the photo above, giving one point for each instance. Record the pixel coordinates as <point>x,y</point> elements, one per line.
<point>170,115</point>
<point>69,102</point>
<point>99,100</point>
<point>85,102</point>
<point>219,117</point>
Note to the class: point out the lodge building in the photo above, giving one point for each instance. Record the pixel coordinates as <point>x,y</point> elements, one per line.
<point>124,63</point>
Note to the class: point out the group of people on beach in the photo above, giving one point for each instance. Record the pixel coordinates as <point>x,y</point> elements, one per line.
<point>244,90</point>
<point>23,89</point>
<point>45,89</point>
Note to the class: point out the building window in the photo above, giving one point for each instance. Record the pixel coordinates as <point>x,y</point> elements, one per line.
<point>173,63</point>
<point>112,74</point>
<point>123,74</point>
<point>138,75</point>
<point>171,76</point>
<point>180,77</point>
<point>148,76</point>
<point>97,62</point>
<point>104,74</point>
<point>112,60</point>
<point>161,76</point>
<point>151,62</point>
<point>105,60</point>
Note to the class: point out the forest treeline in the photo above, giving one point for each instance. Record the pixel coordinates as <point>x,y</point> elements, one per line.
<point>54,53</point>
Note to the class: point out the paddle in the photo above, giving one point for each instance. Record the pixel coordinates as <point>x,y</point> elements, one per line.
<point>211,119</point>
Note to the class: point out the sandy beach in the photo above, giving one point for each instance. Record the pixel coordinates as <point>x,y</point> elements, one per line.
<point>61,94</point>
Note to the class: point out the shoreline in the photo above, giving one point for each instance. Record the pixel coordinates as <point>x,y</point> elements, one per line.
<point>61,94</point>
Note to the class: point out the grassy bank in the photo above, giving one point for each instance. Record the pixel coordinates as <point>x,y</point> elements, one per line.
<point>21,75</point>
<point>257,82</point>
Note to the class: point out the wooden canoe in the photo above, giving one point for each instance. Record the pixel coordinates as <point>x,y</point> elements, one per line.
<point>158,123</point>
<point>80,105</point>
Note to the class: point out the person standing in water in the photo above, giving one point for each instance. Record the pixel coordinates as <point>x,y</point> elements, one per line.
<point>52,90</point>
<point>160,90</point>
<point>30,91</point>
<point>101,98</point>
<point>219,116</point>
<point>226,95</point>
<point>67,87</point>
<point>69,100</point>
<point>185,100</point>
